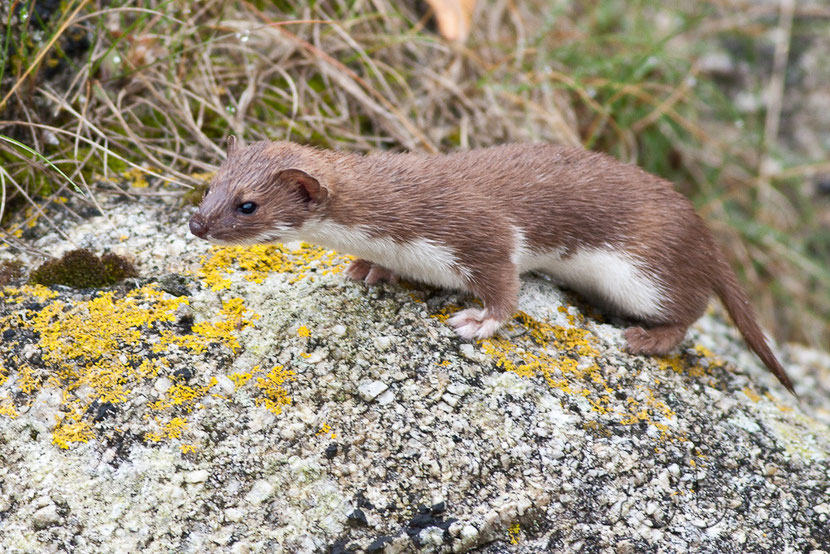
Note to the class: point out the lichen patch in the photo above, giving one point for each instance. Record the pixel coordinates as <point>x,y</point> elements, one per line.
<point>258,261</point>
<point>567,358</point>
<point>94,352</point>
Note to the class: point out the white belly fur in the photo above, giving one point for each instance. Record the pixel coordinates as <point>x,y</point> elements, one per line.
<point>606,274</point>
<point>421,260</point>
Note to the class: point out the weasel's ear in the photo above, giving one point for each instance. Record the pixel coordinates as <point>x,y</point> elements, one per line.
<point>309,187</point>
<point>231,142</point>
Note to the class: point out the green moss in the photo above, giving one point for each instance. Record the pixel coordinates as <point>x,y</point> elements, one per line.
<point>116,267</point>
<point>83,269</point>
<point>10,270</point>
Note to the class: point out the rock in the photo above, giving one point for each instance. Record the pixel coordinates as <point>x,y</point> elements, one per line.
<point>468,351</point>
<point>369,391</point>
<point>224,385</point>
<point>331,451</point>
<point>379,544</point>
<point>198,476</point>
<point>234,514</point>
<point>45,407</point>
<point>357,517</point>
<point>174,284</point>
<point>383,343</point>
<point>46,516</point>
<point>716,62</point>
<point>386,397</point>
<point>221,435</point>
<point>259,492</point>
<point>162,385</point>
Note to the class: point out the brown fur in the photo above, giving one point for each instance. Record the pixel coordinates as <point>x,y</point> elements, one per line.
<point>562,197</point>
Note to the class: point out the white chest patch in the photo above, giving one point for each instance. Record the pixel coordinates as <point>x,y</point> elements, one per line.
<point>606,274</point>
<point>421,260</point>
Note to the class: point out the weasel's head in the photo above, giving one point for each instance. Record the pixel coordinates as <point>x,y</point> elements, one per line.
<point>262,193</point>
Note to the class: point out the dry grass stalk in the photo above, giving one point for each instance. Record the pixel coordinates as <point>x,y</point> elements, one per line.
<point>162,83</point>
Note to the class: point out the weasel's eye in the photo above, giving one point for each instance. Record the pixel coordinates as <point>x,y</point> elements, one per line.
<point>246,208</point>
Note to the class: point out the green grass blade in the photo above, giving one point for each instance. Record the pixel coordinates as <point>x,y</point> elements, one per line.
<point>42,158</point>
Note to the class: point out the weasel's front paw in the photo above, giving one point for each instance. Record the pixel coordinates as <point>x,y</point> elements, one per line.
<point>363,270</point>
<point>474,324</point>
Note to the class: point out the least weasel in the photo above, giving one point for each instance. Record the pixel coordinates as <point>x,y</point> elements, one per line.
<point>476,220</point>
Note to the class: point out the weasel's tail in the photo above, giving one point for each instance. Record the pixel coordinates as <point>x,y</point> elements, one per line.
<point>737,304</point>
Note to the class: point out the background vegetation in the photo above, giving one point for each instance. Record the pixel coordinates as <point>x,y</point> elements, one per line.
<point>715,96</point>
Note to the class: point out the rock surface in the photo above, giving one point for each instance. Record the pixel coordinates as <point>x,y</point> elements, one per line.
<point>240,400</point>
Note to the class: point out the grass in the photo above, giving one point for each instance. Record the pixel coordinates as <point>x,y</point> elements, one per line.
<point>89,92</point>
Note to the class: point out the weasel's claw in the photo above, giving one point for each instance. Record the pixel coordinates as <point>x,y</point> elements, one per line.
<point>474,324</point>
<point>358,270</point>
<point>378,273</point>
<point>363,270</point>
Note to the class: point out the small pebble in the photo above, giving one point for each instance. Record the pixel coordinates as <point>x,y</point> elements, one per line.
<point>371,390</point>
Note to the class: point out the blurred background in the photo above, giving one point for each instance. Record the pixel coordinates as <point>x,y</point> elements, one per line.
<point>728,99</point>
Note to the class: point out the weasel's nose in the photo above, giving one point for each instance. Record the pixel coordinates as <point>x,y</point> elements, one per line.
<point>198,226</point>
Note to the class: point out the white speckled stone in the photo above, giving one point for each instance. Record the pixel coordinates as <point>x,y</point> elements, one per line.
<point>224,385</point>
<point>260,490</point>
<point>369,391</point>
<point>198,476</point>
<point>46,516</point>
<point>162,385</point>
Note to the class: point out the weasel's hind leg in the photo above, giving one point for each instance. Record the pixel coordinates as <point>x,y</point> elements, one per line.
<point>656,341</point>
<point>681,310</point>
<point>364,270</point>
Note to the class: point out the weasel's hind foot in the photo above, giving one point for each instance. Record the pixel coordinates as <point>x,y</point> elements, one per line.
<point>474,324</point>
<point>656,341</point>
<point>363,270</point>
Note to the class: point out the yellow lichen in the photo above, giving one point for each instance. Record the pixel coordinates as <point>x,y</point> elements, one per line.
<point>258,261</point>
<point>136,177</point>
<point>100,327</point>
<point>565,358</point>
<point>233,317</point>
<point>7,408</point>
<point>26,379</point>
<point>683,362</point>
<point>303,332</point>
<point>174,427</point>
<point>514,532</point>
<point>203,176</point>
<point>182,395</point>
<point>92,351</point>
<point>239,379</point>
<point>783,407</point>
<point>18,295</point>
<point>274,396</point>
<point>752,395</point>
<point>529,354</point>
<point>67,433</point>
<point>325,429</point>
